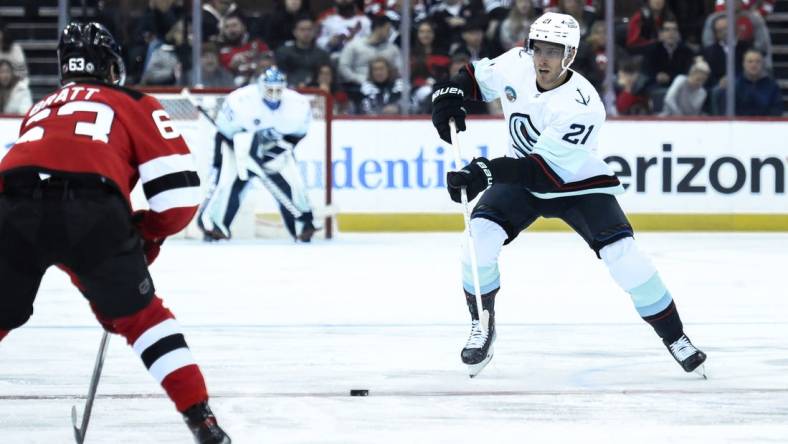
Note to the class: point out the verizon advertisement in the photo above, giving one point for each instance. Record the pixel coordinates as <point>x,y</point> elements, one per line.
<point>399,166</point>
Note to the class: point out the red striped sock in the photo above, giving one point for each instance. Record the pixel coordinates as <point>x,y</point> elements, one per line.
<point>157,338</point>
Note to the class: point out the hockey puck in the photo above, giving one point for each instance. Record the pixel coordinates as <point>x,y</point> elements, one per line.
<point>359,392</point>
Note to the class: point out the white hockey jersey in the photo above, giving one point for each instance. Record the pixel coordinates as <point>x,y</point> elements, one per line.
<point>560,125</point>
<point>244,110</point>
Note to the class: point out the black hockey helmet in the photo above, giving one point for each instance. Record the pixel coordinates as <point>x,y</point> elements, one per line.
<point>89,50</point>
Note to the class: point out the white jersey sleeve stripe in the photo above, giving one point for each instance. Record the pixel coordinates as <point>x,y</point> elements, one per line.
<point>175,198</point>
<point>161,166</point>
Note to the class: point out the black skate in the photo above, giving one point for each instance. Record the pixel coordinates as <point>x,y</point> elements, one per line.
<point>687,355</point>
<point>307,232</point>
<point>203,425</point>
<point>478,351</point>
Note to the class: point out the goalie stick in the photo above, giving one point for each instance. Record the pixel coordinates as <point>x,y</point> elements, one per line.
<point>80,432</point>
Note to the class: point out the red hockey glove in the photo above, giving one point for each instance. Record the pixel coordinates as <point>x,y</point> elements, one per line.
<point>150,247</point>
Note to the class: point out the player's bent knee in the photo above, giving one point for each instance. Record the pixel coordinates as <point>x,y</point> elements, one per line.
<point>488,239</point>
<point>627,264</point>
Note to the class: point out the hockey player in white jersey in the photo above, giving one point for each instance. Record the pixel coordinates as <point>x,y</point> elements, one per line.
<point>263,123</point>
<point>554,116</point>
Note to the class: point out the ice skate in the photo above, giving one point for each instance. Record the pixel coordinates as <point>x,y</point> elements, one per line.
<point>307,232</point>
<point>687,355</point>
<point>202,424</point>
<point>478,351</point>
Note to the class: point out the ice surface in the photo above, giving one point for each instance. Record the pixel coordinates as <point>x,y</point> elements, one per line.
<point>284,331</point>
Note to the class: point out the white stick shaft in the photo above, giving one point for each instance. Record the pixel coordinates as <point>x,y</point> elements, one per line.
<point>483,315</point>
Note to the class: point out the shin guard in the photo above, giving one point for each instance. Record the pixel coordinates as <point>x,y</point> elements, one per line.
<point>636,274</point>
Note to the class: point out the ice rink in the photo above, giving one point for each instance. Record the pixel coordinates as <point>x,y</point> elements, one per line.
<point>284,331</point>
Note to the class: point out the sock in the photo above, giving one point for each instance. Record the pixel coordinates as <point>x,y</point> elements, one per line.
<point>156,337</point>
<point>635,273</point>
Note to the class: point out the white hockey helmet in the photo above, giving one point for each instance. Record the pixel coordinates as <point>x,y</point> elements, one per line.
<point>553,27</point>
<point>271,83</point>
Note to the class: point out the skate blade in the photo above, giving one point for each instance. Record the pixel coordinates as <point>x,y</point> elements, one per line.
<point>701,371</point>
<point>475,369</point>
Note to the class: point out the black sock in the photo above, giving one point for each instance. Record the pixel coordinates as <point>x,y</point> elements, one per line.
<point>667,323</point>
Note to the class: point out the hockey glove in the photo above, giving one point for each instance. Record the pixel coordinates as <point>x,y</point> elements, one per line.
<point>447,103</point>
<point>474,177</point>
<point>150,247</point>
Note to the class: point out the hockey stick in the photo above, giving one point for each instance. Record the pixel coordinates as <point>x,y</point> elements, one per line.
<point>80,432</point>
<point>269,184</point>
<point>484,315</point>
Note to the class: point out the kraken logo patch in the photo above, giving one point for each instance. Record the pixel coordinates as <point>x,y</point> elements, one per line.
<point>511,94</point>
<point>523,132</point>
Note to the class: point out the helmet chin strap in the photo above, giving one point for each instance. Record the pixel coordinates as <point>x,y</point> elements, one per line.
<point>565,66</point>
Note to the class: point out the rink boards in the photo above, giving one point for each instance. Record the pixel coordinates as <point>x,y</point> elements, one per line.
<point>389,174</point>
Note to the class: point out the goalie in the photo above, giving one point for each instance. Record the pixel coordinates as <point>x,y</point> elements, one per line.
<point>262,123</point>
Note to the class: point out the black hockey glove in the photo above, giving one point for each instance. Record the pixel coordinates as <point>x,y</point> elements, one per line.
<point>475,177</point>
<point>447,103</point>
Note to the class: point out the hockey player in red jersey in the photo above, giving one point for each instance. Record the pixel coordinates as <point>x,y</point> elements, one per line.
<point>64,201</point>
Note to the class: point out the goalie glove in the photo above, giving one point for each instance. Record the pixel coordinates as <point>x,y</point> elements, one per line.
<point>447,104</point>
<point>474,177</point>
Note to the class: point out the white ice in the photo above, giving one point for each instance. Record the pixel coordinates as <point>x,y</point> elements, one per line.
<point>284,331</point>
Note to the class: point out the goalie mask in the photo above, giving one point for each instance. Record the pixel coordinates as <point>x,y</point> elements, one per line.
<point>561,29</point>
<point>88,50</point>
<point>271,83</point>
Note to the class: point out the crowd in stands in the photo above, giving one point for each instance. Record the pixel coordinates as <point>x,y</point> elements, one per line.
<point>670,55</point>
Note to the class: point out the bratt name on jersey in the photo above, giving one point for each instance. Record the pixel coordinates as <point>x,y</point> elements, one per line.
<point>64,95</point>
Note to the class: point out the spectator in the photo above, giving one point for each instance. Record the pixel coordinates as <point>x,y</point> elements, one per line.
<point>584,17</point>
<point>668,57</point>
<point>298,58</point>
<point>355,57</point>
<point>11,51</point>
<point>632,98</point>
<point>458,60</point>
<point>325,80</point>
<point>15,97</point>
<point>716,54</point>
<point>383,90</point>
<point>451,17</point>
<point>552,5</point>
<point>341,25</point>
<point>686,95</point>
<point>157,20</point>
<point>750,28</point>
<point>473,40</point>
<point>213,74</point>
<point>282,21</point>
<point>513,30</point>
<point>213,14</point>
<point>591,60</point>
<point>690,15</point>
<point>428,61</point>
<point>429,64</point>
<point>763,7</point>
<point>757,94</point>
<point>169,60</point>
<point>242,55</point>
<point>645,23</point>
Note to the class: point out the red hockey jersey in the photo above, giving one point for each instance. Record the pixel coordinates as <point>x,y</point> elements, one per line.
<point>116,133</point>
